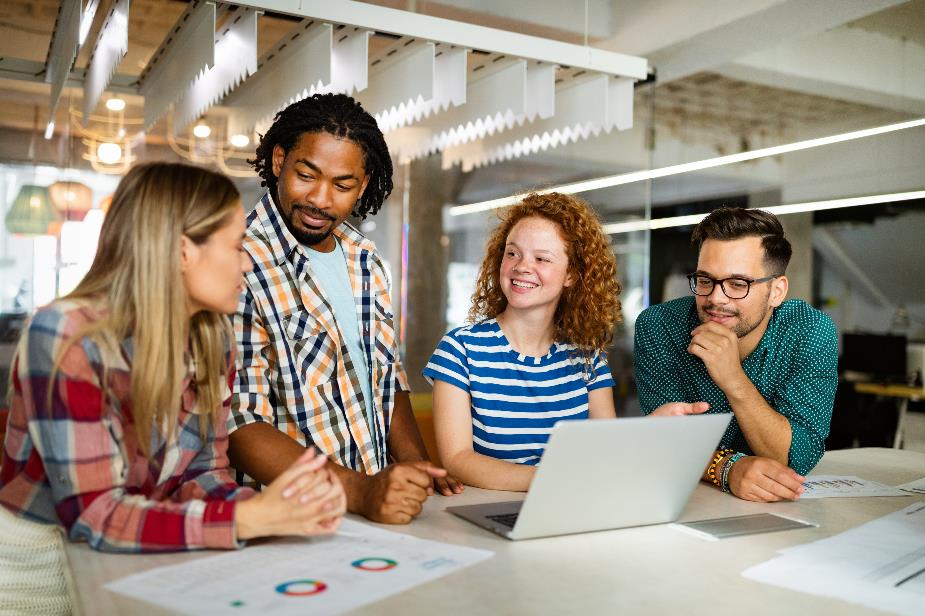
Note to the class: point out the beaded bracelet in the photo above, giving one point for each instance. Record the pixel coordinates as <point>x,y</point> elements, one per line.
<point>711,470</point>
<point>727,466</point>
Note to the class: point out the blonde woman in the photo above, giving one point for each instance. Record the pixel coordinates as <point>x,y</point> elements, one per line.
<point>543,313</point>
<point>120,390</point>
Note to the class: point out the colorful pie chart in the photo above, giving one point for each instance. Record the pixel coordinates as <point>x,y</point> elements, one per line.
<point>374,564</point>
<point>301,588</point>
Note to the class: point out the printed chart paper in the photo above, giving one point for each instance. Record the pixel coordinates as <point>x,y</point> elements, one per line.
<point>827,486</point>
<point>324,575</point>
<point>916,487</point>
<point>880,564</point>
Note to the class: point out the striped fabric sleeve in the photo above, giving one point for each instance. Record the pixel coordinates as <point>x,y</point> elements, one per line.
<point>81,450</point>
<point>602,375</point>
<point>449,363</point>
<point>250,402</point>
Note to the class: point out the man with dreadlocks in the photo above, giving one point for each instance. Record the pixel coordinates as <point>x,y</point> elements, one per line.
<point>319,362</point>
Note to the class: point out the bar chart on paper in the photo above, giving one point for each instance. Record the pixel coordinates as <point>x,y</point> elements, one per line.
<point>329,575</point>
<point>830,486</point>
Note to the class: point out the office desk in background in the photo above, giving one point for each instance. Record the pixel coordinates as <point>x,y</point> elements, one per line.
<point>650,570</point>
<point>903,392</point>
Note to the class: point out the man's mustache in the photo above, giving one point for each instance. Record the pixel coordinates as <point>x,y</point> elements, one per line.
<point>312,211</point>
<point>716,310</point>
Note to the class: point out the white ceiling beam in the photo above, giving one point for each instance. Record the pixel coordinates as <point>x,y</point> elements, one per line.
<point>847,64</point>
<point>469,36</point>
<point>782,22</point>
<point>675,21</point>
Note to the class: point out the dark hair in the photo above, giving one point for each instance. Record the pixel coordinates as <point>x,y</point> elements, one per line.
<point>732,223</point>
<point>342,117</point>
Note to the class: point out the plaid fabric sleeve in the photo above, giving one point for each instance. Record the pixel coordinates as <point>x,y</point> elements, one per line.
<point>250,400</point>
<point>81,449</point>
<point>208,476</point>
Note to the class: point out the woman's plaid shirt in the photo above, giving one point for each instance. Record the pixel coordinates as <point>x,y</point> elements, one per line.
<point>74,459</point>
<point>294,370</point>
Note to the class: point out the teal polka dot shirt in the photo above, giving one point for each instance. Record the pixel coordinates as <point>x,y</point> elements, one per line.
<point>794,367</point>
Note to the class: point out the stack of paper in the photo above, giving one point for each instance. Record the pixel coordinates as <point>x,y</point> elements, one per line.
<point>326,575</point>
<point>880,564</point>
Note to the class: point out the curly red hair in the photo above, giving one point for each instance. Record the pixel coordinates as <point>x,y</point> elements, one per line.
<point>589,309</point>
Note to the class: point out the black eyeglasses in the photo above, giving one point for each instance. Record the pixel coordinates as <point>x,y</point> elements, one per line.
<point>733,288</point>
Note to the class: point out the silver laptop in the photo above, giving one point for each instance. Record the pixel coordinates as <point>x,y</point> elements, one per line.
<point>608,473</point>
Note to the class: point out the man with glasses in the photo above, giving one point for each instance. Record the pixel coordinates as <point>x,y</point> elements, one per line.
<point>738,346</point>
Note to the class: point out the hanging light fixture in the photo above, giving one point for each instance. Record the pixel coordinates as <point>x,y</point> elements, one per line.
<point>31,212</point>
<point>72,199</point>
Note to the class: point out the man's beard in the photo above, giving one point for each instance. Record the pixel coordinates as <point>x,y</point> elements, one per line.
<point>308,238</point>
<point>743,328</point>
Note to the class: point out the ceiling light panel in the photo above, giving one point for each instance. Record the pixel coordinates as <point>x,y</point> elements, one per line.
<point>235,60</point>
<point>184,56</point>
<point>65,41</point>
<point>435,83</point>
<point>401,79</point>
<point>108,51</point>
<point>310,52</point>
<point>584,107</point>
<point>449,89</point>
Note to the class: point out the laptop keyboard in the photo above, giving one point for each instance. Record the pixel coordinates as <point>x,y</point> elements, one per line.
<point>505,519</point>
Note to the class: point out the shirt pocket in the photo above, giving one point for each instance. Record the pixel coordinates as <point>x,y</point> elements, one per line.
<point>385,334</point>
<point>313,355</point>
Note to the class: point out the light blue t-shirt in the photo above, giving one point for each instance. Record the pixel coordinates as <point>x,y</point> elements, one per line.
<point>516,399</point>
<point>330,272</point>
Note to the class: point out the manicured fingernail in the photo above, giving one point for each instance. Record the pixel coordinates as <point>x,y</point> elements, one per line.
<point>287,492</point>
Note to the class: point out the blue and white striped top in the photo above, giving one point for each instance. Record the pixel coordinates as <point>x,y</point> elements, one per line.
<point>516,399</point>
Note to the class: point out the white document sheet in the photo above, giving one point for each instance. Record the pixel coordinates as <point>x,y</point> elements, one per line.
<point>328,575</point>
<point>916,487</point>
<point>827,486</point>
<point>880,564</point>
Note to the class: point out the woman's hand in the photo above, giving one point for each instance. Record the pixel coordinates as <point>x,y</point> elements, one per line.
<point>307,499</point>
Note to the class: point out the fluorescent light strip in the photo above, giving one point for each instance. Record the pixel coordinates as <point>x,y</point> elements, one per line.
<point>792,208</point>
<point>708,163</point>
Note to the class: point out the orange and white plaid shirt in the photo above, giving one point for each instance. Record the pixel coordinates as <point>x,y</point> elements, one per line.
<point>294,370</point>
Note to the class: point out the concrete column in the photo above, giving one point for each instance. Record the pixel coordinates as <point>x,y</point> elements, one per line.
<point>429,188</point>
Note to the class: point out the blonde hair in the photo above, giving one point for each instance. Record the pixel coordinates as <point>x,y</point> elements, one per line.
<point>588,310</point>
<point>136,276</point>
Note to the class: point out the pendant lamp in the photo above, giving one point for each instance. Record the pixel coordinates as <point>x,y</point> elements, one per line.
<point>71,199</point>
<point>32,212</point>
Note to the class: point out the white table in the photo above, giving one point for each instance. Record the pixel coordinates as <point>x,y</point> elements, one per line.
<point>653,569</point>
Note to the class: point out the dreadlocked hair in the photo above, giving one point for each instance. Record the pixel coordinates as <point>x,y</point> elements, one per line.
<point>340,116</point>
